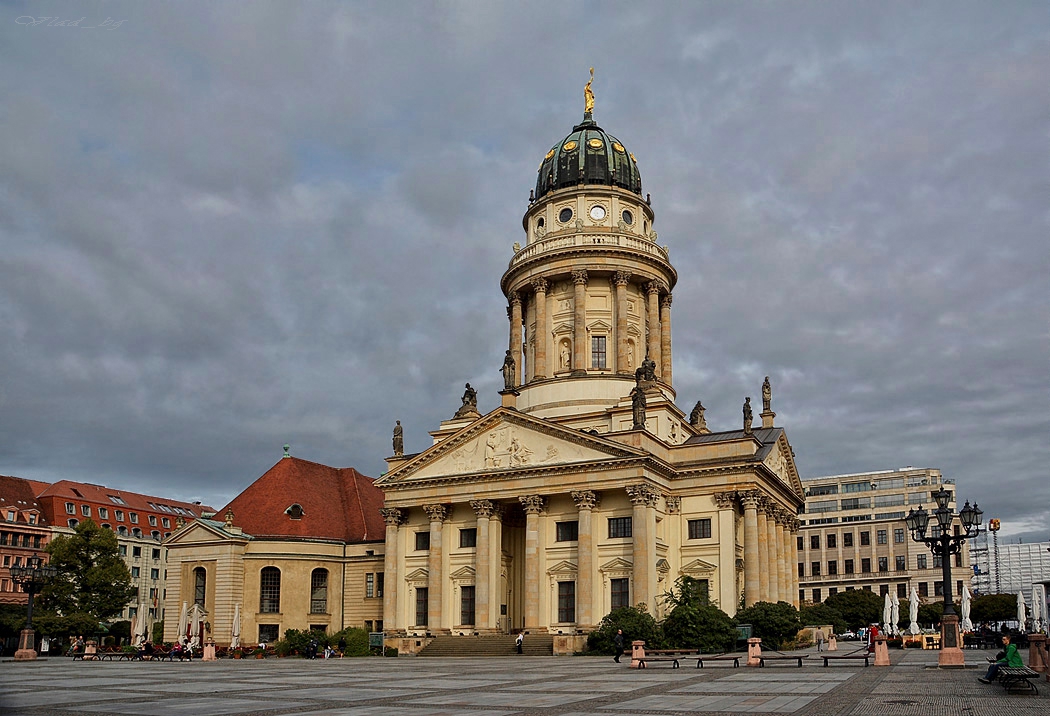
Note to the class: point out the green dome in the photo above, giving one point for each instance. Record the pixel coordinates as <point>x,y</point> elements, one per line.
<point>588,155</point>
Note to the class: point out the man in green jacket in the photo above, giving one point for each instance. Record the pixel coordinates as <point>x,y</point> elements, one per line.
<point>1011,659</point>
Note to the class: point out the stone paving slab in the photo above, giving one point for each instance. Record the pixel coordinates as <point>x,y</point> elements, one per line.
<point>533,686</point>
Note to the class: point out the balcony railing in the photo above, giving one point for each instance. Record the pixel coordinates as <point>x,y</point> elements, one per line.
<point>586,241</point>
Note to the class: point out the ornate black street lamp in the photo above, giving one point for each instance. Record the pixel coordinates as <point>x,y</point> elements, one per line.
<point>944,543</point>
<point>34,575</point>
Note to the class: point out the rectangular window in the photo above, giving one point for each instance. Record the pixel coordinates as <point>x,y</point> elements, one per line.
<point>268,633</point>
<point>156,554</point>
<point>116,500</point>
<point>422,541</point>
<point>832,541</point>
<point>884,589</point>
<point>814,541</point>
<point>857,487</point>
<point>865,565</point>
<point>422,594</point>
<point>884,564</point>
<point>468,538</point>
<point>800,543</point>
<point>824,490</point>
<point>136,552</point>
<point>902,591</point>
<point>891,483</point>
<point>898,535</point>
<point>700,529</point>
<point>466,604</point>
<point>816,596</point>
<point>832,591</point>
<point>123,550</point>
<point>103,512</point>
<point>36,542</point>
<point>370,585</point>
<point>833,567</point>
<point>801,595</point>
<point>802,569</point>
<point>71,509</point>
<point>567,602</point>
<point>567,531</point>
<point>938,561</point>
<point>134,517</point>
<point>848,565</point>
<point>619,527</point>
<point>900,563</point>
<point>379,584</point>
<point>889,500</point>
<point>938,589</point>
<point>154,574</point>
<point>815,567</point>
<point>597,359</point>
<point>119,515</point>
<point>620,592</point>
<point>134,572</point>
<point>165,521</point>
<point>822,506</point>
<point>920,562</point>
<point>153,520</point>
<point>865,538</point>
<point>856,503</point>
<point>924,589</point>
<point>3,538</point>
<point>880,536</point>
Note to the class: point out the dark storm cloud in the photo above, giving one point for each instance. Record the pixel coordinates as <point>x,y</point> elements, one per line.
<point>225,227</point>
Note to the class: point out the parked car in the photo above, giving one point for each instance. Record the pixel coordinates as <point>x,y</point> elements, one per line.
<point>849,636</point>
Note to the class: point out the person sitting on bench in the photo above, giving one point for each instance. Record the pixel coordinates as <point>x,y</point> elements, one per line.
<point>1010,658</point>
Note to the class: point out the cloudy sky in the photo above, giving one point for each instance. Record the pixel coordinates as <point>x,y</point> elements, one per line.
<point>227,226</point>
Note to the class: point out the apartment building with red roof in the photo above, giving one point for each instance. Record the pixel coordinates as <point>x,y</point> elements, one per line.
<point>24,533</point>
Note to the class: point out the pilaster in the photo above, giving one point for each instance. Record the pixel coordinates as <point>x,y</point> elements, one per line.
<point>579,321</point>
<point>539,287</point>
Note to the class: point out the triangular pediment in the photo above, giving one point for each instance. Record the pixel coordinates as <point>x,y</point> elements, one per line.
<point>618,564</point>
<point>202,532</point>
<point>417,575</point>
<point>563,567</point>
<point>507,441</point>
<point>698,566</point>
<point>782,463</point>
<point>466,572</point>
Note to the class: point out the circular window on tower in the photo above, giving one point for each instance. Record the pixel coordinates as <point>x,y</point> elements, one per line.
<point>569,145</point>
<point>597,212</point>
<point>628,217</point>
<point>565,215</point>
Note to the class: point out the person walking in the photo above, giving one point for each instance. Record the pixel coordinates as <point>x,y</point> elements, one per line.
<point>819,636</point>
<point>618,643</point>
<point>519,641</point>
<point>342,646</point>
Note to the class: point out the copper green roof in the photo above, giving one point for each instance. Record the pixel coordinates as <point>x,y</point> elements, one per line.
<point>588,155</point>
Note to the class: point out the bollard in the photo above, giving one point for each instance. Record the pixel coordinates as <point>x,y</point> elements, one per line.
<point>637,653</point>
<point>754,651</point>
<point>1037,652</point>
<point>833,643</point>
<point>882,651</point>
<point>209,652</point>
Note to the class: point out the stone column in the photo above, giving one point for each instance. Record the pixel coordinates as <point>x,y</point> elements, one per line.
<point>482,558</point>
<point>749,500</point>
<point>793,571</point>
<point>665,339</point>
<point>515,338</point>
<point>585,500</point>
<point>643,497</point>
<point>785,566</point>
<point>653,290</point>
<point>763,550</point>
<point>539,286</point>
<point>579,323</point>
<point>533,506</point>
<point>393,518</point>
<point>435,560</point>
<point>773,543</point>
<point>620,281</point>
<point>728,588</point>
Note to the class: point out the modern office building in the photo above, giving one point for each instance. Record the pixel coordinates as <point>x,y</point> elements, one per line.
<point>853,536</point>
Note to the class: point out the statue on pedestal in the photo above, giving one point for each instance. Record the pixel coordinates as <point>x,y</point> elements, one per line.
<point>638,408</point>
<point>508,371</point>
<point>399,441</point>
<point>469,409</point>
<point>646,372</point>
<point>767,395</point>
<point>696,418</point>
<point>747,415</point>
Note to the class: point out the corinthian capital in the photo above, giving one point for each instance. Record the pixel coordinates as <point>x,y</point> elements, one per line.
<point>665,302</point>
<point>532,504</point>
<point>725,500</point>
<point>749,499</point>
<point>514,298</point>
<point>393,516</point>
<point>540,285</point>
<point>579,277</point>
<point>674,504</point>
<point>642,495</point>
<point>585,499</point>
<point>653,287</point>
<point>437,513</point>
<point>621,278</point>
<point>483,508</point>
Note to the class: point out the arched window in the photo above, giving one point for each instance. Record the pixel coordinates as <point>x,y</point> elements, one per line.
<point>137,532</point>
<point>270,590</point>
<point>319,591</point>
<point>122,530</point>
<point>73,523</point>
<point>200,585</point>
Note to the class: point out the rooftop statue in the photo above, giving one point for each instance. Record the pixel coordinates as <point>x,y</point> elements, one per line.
<point>696,418</point>
<point>588,95</point>
<point>508,371</point>
<point>747,415</point>
<point>638,408</point>
<point>767,395</point>
<point>469,408</point>
<point>399,440</point>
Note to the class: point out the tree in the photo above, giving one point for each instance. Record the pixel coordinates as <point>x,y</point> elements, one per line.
<point>931,613</point>
<point>636,622</point>
<point>92,578</point>
<point>993,608</point>
<point>820,614</point>
<point>694,621</point>
<point>773,623</point>
<point>858,607</point>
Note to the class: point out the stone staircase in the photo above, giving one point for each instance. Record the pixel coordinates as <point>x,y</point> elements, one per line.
<point>489,645</point>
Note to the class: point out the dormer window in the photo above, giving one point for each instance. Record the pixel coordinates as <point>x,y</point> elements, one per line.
<point>295,511</point>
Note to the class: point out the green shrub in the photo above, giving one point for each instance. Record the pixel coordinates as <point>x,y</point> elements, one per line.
<point>702,626</point>
<point>636,622</point>
<point>775,624</point>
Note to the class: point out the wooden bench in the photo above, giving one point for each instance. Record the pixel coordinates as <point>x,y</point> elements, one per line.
<point>1015,677</point>
<point>735,658</point>
<point>853,655</point>
<point>669,655</point>
<point>782,657</point>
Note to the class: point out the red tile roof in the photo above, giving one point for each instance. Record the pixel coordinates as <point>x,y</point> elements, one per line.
<point>18,493</point>
<point>338,503</point>
<point>100,494</point>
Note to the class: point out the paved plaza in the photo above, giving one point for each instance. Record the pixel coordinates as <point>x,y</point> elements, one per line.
<point>562,686</point>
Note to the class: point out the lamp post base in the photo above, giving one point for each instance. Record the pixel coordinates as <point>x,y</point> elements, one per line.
<point>26,646</point>
<point>951,655</point>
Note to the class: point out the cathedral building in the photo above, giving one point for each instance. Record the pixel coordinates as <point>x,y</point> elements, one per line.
<point>588,489</point>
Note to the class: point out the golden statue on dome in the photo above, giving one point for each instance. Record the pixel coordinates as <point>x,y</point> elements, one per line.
<point>588,95</point>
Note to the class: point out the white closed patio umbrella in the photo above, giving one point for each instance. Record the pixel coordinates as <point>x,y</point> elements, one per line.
<point>235,639</point>
<point>965,624</point>
<point>895,616</point>
<point>135,628</point>
<point>195,626</point>
<point>183,620</point>
<point>887,613</point>
<point>913,612</point>
<point>1037,608</point>
<point>1022,613</point>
